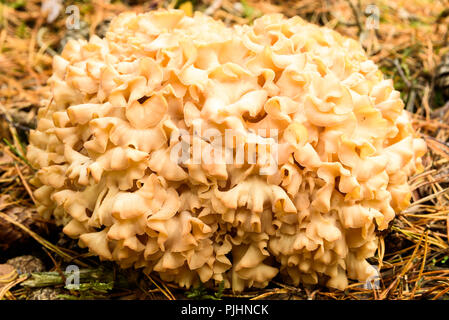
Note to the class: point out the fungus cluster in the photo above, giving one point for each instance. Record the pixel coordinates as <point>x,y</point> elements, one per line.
<point>120,106</point>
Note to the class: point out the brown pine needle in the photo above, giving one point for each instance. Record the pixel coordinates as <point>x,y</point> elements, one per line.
<point>166,293</point>
<point>413,253</point>
<point>421,269</point>
<point>5,289</point>
<point>42,241</point>
<point>25,183</point>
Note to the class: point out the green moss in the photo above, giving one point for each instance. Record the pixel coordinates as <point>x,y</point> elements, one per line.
<point>200,293</point>
<point>17,4</point>
<point>22,31</point>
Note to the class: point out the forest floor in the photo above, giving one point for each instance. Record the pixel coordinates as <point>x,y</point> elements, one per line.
<point>407,39</point>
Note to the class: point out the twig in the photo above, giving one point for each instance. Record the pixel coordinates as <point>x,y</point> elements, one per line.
<point>270,293</point>
<point>213,7</point>
<point>421,269</point>
<point>357,16</point>
<point>41,240</point>
<point>441,293</point>
<point>401,73</point>
<point>56,264</point>
<point>12,129</point>
<point>25,183</point>
<point>166,293</point>
<point>41,44</point>
<point>10,285</point>
<point>395,283</point>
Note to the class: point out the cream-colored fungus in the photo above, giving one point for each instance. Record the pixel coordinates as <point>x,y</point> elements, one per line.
<point>104,140</point>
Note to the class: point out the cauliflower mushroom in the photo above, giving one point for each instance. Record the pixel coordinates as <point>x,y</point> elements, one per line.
<point>122,105</point>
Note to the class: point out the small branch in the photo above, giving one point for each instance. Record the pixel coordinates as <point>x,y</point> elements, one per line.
<point>357,15</point>
<point>401,73</point>
<point>213,7</point>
